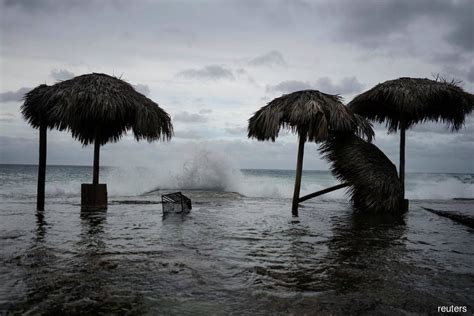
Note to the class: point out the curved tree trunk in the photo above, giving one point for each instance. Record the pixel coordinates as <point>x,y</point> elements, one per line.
<point>299,170</point>
<point>41,168</point>
<point>95,175</point>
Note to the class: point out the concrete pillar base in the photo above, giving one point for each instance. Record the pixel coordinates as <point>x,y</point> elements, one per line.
<point>93,196</point>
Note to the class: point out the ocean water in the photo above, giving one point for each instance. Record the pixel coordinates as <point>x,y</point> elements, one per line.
<point>239,251</point>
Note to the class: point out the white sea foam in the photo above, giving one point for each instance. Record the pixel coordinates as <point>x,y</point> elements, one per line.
<point>205,169</point>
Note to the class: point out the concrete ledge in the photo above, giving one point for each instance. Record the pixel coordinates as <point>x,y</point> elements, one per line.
<point>94,196</point>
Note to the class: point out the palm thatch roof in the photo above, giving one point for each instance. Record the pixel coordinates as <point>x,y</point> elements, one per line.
<point>310,113</point>
<point>37,110</point>
<point>97,104</point>
<point>414,100</point>
<point>374,184</point>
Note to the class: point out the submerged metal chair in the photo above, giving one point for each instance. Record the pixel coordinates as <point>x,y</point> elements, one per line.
<point>176,203</point>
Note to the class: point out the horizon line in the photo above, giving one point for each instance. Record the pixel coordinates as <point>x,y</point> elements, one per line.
<point>112,166</point>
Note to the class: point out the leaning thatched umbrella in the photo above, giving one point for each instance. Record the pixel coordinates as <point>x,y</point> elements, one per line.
<point>404,102</point>
<point>98,108</point>
<point>372,177</point>
<point>312,115</point>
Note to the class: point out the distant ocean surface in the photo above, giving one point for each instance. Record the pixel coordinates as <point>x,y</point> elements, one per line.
<point>63,182</point>
<point>238,251</point>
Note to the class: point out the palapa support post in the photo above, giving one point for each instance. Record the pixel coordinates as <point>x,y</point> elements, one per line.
<point>95,174</point>
<point>41,167</point>
<point>299,170</point>
<point>94,196</point>
<point>405,202</point>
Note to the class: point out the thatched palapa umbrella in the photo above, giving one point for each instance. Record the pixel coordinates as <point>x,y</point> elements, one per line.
<point>373,181</point>
<point>98,108</point>
<point>404,102</point>
<point>312,115</point>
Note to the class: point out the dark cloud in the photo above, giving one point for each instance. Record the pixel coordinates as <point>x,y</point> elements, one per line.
<point>462,34</point>
<point>187,117</point>
<point>347,85</point>
<point>62,74</point>
<point>12,96</point>
<point>28,5</point>
<point>242,73</point>
<point>273,58</point>
<point>289,86</point>
<point>205,111</point>
<point>458,73</point>
<point>142,88</point>
<point>449,58</point>
<point>374,23</point>
<point>470,74</point>
<point>49,6</point>
<point>210,72</point>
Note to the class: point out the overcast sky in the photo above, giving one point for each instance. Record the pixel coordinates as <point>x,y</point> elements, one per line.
<point>211,64</point>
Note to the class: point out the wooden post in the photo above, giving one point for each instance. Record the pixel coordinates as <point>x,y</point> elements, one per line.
<point>41,167</point>
<point>94,196</point>
<point>95,175</point>
<point>402,157</point>
<point>299,169</point>
<point>321,192</point>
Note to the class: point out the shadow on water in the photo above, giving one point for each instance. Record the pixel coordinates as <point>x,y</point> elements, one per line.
<point>361,247</point>
<point>174,218</point>
<point>95,272</point>
<point>92,231</point>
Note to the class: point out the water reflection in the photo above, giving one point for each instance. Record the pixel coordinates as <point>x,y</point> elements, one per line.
<point>92,231</point>
<point>361,248</point>
<point>41,226</point>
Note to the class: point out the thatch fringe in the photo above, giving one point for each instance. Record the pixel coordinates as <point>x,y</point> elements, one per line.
<point>415,100</point>
<point>374,184</point>
<point>309,113</point>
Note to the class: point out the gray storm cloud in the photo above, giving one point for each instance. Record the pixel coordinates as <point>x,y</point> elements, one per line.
<point>187,117</point>
<point>347,85</point>
<point>13,96</point>
<point>210,72</point>
<point>273,58</point>
<point>208,64</point>
<point>61,74</point>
